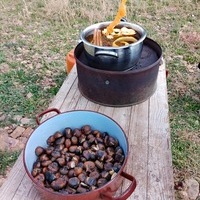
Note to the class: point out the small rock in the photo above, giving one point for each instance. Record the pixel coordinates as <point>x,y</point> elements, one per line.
<point>4,68</point>
<point>8,129</point>
<point>3,140</point>
<point>29,95</point>
<point>2,117</point>
<point>25,120</point>
<point>15,144</point>
<point>17,117</point>
<point>183,195</point>
<point>27,132</point>
<point>17,132</point>
<point>23,140</point>
<point>192,188</point>
<point>12,142</point>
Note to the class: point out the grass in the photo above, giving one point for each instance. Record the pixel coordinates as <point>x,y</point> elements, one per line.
<point>7,159</point>
<point>21,84</point>
<point>185,148</point>
<point>36,36</point>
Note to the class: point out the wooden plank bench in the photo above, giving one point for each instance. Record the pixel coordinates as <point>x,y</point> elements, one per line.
<point>148,132</point>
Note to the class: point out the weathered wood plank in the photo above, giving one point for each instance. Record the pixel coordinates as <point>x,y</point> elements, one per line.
<point>160,173</point>
<point>70,101</point>
<point>138,141</point>
<point>24,189</point>
<point>92,106</point>
<point>64,90</point>
<point>81,102</point>
<point>122,115</point>
<point>106,110</point>
<point>147,129</point>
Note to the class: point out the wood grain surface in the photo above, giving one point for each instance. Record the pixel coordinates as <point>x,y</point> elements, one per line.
<point>147,128</point>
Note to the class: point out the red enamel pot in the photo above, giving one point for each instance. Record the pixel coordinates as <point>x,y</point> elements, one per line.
<point>75,119</point>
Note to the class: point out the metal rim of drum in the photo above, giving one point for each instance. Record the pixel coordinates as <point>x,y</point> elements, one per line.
<point>132,98</point>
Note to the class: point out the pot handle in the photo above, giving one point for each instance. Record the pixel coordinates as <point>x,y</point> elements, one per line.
<point>45,112</point>
<point>127,193</point>
<point>106,53</point>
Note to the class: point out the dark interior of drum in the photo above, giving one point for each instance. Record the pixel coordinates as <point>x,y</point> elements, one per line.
<point>151,53</point>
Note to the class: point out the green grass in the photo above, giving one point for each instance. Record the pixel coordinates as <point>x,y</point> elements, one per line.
<point>7,159</point>
<point>17,84</point>
<point>2,57</point>
<point>184,119</point>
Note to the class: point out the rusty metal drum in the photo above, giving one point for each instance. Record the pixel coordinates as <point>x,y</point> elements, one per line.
<point>120,88</point>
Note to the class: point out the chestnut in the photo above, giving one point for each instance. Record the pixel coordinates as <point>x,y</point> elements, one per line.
<point>78,170</point>
<point>40,178</point>
<point>49,150</point>
<point>68,132</point>
<point>59,183</point>
<point>89,166</point>
<point>101,182</point>
<point>56,154</point>
<point>74,182</point>
<point>82,177</point>
<point>39,151</point>
<point>44,157</point>
<point>64,170</point>
<point>82,139</point>
<point>37,164</point>
<point>119,158</point>
<point>36,171</point>
<point>71,164</point>
<point>105,174</point>
<point>71,173</point>
<point>46,163</point>
<point>118,150</point>
<point>97,133</point>
<point>86,129</point>
<point>61,161</point>
<point>81,189</point>
<point>101,155</point>
<point>86,145</point>
<point>108,166</point>
<point>73,148</point>
<point>91,181</point>
<point>86,154</point>
<point>60,140</point>
<point>51,140</point>
<point>53,167</point>
<point>58,134</point>
<point>74,140</point>
<point>77,132</point>
<point>59,147</point>
<point>99,164</point>
<point>68,143</point>
<point>94,174</point>
<point>110,151</point>
<point>77,161</point>
<point>49,176</point>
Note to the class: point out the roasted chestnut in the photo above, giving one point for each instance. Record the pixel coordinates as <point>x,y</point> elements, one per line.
<point>78,160</point>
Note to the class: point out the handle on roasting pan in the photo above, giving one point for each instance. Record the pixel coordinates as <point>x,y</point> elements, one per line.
<point>45,112</point>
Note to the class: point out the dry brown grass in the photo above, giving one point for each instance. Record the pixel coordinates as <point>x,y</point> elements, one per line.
<point>69,11</point>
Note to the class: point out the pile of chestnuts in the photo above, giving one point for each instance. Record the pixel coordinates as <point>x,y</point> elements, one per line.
<point>77,161</point>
